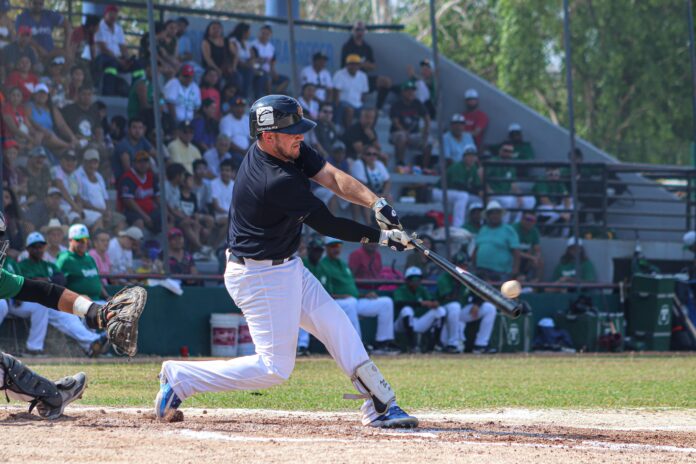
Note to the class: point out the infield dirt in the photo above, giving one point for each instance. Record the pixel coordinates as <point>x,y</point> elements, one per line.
<point>88,434</point>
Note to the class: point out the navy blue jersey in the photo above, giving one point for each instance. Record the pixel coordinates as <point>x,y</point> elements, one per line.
<point>271,199</point>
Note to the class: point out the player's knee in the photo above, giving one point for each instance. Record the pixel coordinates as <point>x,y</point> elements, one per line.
<point>279,368</point>
<point>406,311</point>
<point>453,308</point>
<point>487,310</point>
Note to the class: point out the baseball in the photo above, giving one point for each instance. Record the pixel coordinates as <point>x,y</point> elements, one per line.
<point>511,289</point>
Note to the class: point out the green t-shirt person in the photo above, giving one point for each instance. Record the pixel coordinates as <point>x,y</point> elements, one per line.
<point>314,269</point>
<point>81,274</point>
<point>528,238</point>
<point>494,247</point>
<point>554,191</point>
<point>37,270</point>
<point>507,173</point>
<point>587,271</point>
<point>339,277</point>
<point>449,290</point>
<point>10,284</point>
<point>404,296</point>
<point>464,178</point>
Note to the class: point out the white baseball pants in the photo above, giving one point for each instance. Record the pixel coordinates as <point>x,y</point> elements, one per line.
<point>276,302</point>
<point>419,324</point>
<point>38,323</point>
<point>511,202</point>
<point>350,307</point>
<point>459,201</point>
<point>453,331</point>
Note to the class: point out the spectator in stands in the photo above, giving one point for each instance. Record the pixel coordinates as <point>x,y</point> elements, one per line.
<point>238,42</point>
<point>362,135</point>
<point>120,250</point>
<point>82,40</point>
<point>216,52</point>
<point>326,133</point>
<point>7,28</point>
<point>180,260</point>
<point>12,176</point>
<point>55,233</point>
<point>187,223</point>
<point>217,154</point>
<point>373,173</point>
<point>464,306</point>
<point>531,261</point>
<point>23,78</point>
<point>476,120</point>
<point>210,83</point>
<point>100,253</point>
<point>507,191</point>
<point>182,95</point>
<point>406,129</point>
<point>523,149</point>
<point>315,250</point>
<point>124,152</point>
<point>308,101</point>
<point>221,191</point>
<point>47,122</point>
<point>80,270</point>
<point>16,121</point>
<point>201,184</point>
<point>340,284</point>
<point>366,261</point>
<point>356,45</point>
<point>206,126</point>
<point>13,221</point>
<point>565,271</point>
<point>77,80</point>
<point>419,260</point>
<point>66,177</point>
<point>266,79</point>
<point>552,199</point>
<point>40,213</point>
<point>419,310</point>
<point>320,77</point>
<point>112,53</point>
<point>92,190</point>
<point>475,220</point>
<point>82,117</point>
<point>425,85</point>
<point>138,194</point>
<point>337,158</point>
<point>184,51</point>
<point>188,204</point>
<point>351,88</point>
<point>57,81</point>
<point>167,46</point>
<point>38,176</point>
<point>181,150</point>
<point>42,23</point>
<point>235,125</point>
<point>20,47</point>
<point>456,140</point>
<point>497,254</point>
<point>463,184</point>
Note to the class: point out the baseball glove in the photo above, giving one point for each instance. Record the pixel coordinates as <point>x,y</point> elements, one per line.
<point>119,316</point>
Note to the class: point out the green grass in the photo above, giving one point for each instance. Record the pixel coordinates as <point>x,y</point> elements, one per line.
<point>428,382</point>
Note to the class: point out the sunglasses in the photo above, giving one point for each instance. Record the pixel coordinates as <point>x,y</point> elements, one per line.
<point>372,153</point>
<point>81,240</point>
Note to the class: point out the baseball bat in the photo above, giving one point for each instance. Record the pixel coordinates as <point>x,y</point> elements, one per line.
<point>510,308</point>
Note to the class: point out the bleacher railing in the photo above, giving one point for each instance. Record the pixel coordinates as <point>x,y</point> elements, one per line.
<point>601,185</point>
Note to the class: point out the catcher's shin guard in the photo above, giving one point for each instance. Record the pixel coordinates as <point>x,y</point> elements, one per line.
<point>27,384</point>
<point>369,381</point>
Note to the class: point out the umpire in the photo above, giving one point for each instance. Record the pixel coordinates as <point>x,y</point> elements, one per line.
<point>277,294</point>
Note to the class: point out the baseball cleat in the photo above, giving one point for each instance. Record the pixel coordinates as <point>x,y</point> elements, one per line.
<point>166,402</point>
<point>395,418</point>
<point>70,389</point>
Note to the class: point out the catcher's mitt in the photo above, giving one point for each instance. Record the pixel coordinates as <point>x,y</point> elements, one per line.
<point>119,316</point>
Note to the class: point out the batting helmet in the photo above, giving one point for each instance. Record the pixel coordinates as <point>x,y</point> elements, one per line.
<point>277,113</point>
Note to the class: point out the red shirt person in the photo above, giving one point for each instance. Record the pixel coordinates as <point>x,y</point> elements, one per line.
<point>366,262</point>
<point>138,194</point>
<point>475,120</point>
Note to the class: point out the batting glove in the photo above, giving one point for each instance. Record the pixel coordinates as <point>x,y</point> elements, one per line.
<point>395,239</point>
<point>386,216</point>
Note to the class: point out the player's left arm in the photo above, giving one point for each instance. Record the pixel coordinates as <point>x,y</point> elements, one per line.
<point>351,189</point>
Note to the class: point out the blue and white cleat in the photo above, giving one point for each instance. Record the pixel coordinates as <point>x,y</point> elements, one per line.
<point>395,418</point>
<point>167,402</point>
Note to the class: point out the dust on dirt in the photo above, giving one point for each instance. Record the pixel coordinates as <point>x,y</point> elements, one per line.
<point>502,436</point>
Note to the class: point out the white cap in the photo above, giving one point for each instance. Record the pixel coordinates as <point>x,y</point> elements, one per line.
<point>458,117</point>
<point>40,88</point>
<point>78,231</point>
<point>493,205</point>
<point>332,240</point>
<point>514,127</point>
<point>571,241</point>
<point>413,271</point>
<point>90,154</point>
<point>35,237</point>
<point>471,93</point>
<point>475,205</point>
<point>546,322</point>
<point>133,232</point>
<point>689,238</point>
<point>470,149</point>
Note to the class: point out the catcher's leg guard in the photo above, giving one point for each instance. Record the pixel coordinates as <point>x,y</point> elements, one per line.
<point>370,382</point>
<point>21,383</point>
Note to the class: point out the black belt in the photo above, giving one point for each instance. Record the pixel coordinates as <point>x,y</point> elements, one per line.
<point>275,262</point>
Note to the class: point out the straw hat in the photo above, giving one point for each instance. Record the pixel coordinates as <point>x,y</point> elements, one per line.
<point>52,225</point>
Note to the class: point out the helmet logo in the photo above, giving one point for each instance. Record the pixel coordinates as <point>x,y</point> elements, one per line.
<point>264,116</point>
<point>299,111</point>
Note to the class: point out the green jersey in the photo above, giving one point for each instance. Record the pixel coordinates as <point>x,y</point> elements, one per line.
<point>339,277</point>
<point>494,247</point>
<point>404,296</point>
<point>12,266</point>
<point>464,178</point>
<point>10,284</point>
<point>524,150</point>
<point>528,239</point>
<point>37,270</point>
<point>508,174</point>
<point>314,269</point>
<point>555,191</point>
<point>473,228</point>
<point>587,271</point>
<point>449,290</point>
<point>81,274</point>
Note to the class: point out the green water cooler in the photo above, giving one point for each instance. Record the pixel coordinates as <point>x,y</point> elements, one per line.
<point>650,311</point>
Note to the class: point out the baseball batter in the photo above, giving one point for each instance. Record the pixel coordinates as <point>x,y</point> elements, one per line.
<point>276,293</point>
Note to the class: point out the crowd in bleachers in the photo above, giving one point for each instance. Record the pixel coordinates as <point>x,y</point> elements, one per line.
<point>66,163</point>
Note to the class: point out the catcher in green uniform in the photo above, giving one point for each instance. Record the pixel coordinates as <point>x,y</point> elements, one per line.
<point>119,317</point>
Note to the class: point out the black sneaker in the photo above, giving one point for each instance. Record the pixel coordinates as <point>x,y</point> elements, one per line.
<point>385,348</point>
<point>302,351</point>
<point>451,349</point>
<point>483,350</point>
